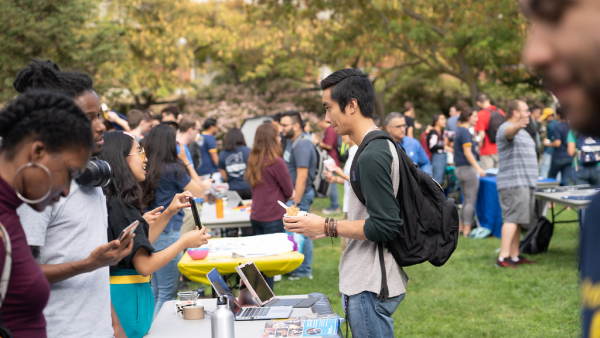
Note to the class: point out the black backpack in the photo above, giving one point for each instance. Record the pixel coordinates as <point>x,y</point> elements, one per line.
<point>538,238</point>
<point>429,226</point>
<point>496,120</point>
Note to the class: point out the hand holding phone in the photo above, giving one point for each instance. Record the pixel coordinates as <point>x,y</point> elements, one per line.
<point>195,213</point>
<point>129,230</point>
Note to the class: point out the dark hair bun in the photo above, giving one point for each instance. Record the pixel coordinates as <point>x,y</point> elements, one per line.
<point>49,117</point>
<point>47,75</point>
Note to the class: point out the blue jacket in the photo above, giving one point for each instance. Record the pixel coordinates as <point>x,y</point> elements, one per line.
<point>415,151</point>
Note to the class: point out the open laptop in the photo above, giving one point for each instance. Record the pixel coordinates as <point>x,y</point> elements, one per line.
<point>263,295</point>
<point>245,313</point>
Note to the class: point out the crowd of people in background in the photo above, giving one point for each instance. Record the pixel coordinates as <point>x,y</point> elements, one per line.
<point>160,160</point>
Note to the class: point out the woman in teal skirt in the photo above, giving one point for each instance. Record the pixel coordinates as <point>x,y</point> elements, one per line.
<point>131,293</point>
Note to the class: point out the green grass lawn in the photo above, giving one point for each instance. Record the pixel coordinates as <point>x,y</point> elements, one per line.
<point>468,296</point>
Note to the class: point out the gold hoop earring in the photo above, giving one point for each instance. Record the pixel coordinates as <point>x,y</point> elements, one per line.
<point>23,198</point>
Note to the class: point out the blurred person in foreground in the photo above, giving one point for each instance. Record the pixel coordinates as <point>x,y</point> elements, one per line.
<point>563,44</point>
<point>270,180</point>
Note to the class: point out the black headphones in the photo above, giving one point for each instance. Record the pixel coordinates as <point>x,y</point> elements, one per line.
<point>97,174</point>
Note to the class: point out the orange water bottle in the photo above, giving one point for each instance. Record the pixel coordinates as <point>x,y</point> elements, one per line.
<point>219,205</point>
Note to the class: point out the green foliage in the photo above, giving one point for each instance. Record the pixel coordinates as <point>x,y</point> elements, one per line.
<point>69,32</point>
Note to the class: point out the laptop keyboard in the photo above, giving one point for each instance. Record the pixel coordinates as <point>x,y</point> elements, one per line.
<point>255,312</point>
<point>285,302</point>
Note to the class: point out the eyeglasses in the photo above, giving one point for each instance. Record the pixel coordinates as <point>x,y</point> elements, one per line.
<point>141,153</point>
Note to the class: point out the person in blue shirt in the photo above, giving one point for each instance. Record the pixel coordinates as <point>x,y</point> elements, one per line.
<point>168,173</point>
<point>561,160</point>
<point>452,124</point>
<point>467,169</point>
<point>208,148</point>
<point>395,124</point>
<point>301,160</point>
<point>186,134</point>
<point>232,163</point>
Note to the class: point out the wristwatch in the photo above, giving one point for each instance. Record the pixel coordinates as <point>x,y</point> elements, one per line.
<point>294,204</point>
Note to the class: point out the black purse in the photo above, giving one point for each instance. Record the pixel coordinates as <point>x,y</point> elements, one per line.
<point>4,332</point>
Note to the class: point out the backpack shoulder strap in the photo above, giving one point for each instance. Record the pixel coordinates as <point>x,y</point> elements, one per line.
<point>7,263</point>
<point>297,140</point>
<point>377,134</point>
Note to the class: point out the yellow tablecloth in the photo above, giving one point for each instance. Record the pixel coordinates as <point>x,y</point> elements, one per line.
<point>269,265</point>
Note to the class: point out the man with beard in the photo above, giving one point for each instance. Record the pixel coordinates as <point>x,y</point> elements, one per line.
<point>70,237</point>
<point>301,159</point>
<point>564,44</point>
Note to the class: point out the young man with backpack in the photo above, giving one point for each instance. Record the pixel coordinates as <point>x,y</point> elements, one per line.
<point>489,120</point>
<point>517,179</point>
<point>301,159</point>
<point>349,101</point>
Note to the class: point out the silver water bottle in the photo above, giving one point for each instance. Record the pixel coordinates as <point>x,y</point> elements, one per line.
<point>222,320</point>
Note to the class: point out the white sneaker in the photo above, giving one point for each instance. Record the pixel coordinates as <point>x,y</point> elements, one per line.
<point>277,278</point>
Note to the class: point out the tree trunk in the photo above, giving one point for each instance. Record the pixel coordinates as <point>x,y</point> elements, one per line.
<point>380,105</point>
<point>469,78</point>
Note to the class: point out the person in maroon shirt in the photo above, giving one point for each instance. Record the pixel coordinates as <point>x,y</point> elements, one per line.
<point>268,176</point>
<point>330,144</point>
<point>46,142</point>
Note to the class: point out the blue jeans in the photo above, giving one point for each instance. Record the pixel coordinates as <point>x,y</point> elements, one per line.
<point>370,317</point>
<point>305,269</point>
<point>545,167</point>
<point>438,167</point>
<point>562,166</point>
<point>587,175</point>
<point>165,282</point>
<point>261,228</point>
<point>334,197</point>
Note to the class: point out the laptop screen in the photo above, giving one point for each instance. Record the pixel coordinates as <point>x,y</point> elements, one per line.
<point>218,283</point>
<point>257,282</point>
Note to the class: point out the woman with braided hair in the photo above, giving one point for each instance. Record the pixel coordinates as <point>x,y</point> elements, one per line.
<point>46,142</point>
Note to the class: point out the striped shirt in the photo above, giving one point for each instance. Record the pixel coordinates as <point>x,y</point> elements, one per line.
<point>517,159</point>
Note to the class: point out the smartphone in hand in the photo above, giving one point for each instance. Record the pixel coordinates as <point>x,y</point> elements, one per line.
<point>129,230</point>
<point>195,213</point>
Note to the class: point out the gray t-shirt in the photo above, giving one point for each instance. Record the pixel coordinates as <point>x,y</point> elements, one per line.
<point>363,256</point>
<point>65,232</point>
<point>302,156</point>
<point>517,160</point>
